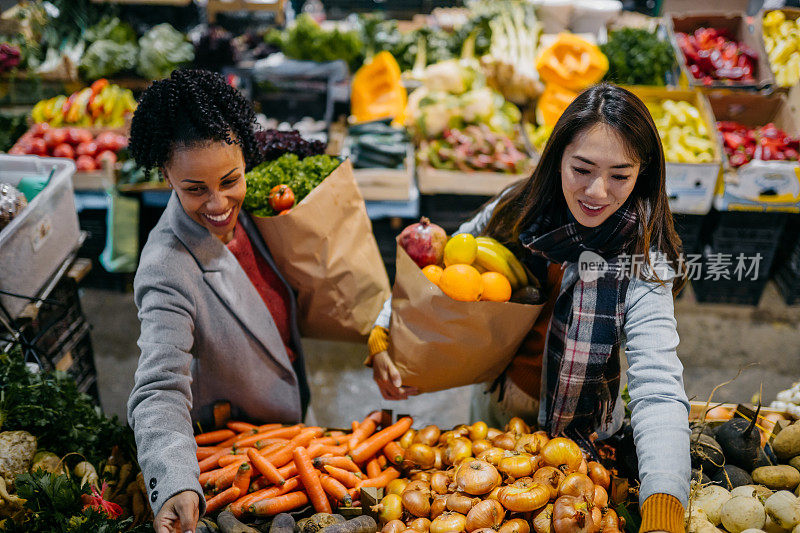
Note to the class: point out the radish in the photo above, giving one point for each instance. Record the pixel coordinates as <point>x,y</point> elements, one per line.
<point>711,499</point>
<point>740,442</point>
<point>742,512</point>
<point>784,509</point>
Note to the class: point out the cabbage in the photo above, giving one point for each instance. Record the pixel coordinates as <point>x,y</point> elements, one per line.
<point>162,50</point>
<point>105,58</point>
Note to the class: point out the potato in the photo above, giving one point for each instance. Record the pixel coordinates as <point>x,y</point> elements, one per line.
<point>787,443</point>
<point>784,509</point>
<point>742,512</point>
<point>710,499</point>
<point>795,462</point>
<point>781,477</point>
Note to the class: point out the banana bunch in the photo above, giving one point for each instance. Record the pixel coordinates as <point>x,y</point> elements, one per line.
<point>494,257</point>
<point>782,42</point>
<point>101,105</point>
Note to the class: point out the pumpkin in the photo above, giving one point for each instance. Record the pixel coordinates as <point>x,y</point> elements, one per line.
<point>552,103</point>
<point>376,91</point>
<point>572,63</point>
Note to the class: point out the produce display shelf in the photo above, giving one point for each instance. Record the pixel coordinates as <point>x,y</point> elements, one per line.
<point>386,184</point>
<point>434,181</point>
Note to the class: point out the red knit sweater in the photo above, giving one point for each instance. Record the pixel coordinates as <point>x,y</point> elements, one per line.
<point>266,282</point>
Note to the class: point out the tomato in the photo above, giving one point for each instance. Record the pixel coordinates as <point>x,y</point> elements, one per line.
<point>106,154</point>
<point>285,212</point>
<point>38,146</point>
<point>16,150</point>
<point>85,163</point>
<point>39,129</point>
<point>64,150</point>
<point>77,136</point>
<point>54,136</point>
<point>86,148</point>
<point>281,197</point>
<point>108,140</point>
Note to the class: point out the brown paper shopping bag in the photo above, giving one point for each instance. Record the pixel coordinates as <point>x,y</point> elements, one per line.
<point>327,252</point>
<point>439,343</point>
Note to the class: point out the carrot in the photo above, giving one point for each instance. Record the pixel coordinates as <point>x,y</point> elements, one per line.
<point>222,499</point>
<point>381,480</point>
<point>263,443</point>
<point>373,468</point>
<point>206,451</point>
<point>232,441</point>
<point>284,455</point>
<point>325,441</point>
<point>283,433</point>
<point>212,461</point>
<point>279,504</point>
<point>242,478</point>
<point>354,425</point>
<point>375,443</point>
<point>220,473</point>
<point>335,490</point>
<point>340,462</point>
<point>261,483</point>
<point>349,479</point>
<point>240,427</point>
<point>337,434</point>
<point>383,461</point>
<point>213,437</point>
<point>267,427</point>
<point>394,453</point>
<point>270,448</point>
<point>364,430</point>
<point>310,480</point>
<point>266,468</point>
<point>226,460</point>
<point>318,450</point>
<point>290,470</point>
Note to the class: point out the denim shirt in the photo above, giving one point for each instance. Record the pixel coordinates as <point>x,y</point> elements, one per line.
<point>659,406</point>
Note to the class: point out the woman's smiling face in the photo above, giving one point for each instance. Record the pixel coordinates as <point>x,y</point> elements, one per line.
<point>597,174</point>
<point>210,184</point>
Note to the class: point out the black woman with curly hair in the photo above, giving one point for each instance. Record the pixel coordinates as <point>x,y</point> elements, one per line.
<point>218,320</point>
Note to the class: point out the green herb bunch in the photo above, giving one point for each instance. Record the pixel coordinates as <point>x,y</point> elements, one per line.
<point>637,57</point>
<point>300,175</point>
<point>306,40</point>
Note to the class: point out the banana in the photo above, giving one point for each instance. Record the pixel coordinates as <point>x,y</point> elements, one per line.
<point>492,261</point>
<point>513,263</point>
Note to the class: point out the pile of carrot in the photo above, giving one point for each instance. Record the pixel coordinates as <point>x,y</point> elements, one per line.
<point>271,469</point>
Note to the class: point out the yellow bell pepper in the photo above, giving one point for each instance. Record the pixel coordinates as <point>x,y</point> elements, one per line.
<point>552,103</point>
<point>572,63</point>
<point>377,91</point>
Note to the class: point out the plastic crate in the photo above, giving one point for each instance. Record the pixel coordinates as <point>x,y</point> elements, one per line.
<point>450,210</point>
<point>748,233</point>
<point>690,229</point>
<point>746,292</point>
<point>94,223</point>
<point>788,282</point>
<point>37,241</point>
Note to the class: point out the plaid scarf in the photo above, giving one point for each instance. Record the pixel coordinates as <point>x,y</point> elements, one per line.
<point>582,351</point>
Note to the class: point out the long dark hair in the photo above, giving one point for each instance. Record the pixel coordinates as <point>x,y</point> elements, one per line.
<point>607,104</point>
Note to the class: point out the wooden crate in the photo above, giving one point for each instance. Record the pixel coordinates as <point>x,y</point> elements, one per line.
<point>434,181</point>
<point>386,184</point>
<point>215,7</point>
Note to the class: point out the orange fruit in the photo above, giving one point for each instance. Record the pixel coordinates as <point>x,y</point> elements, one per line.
<point>462,283</point>
<point>496,287</point>
<point>433,273</point>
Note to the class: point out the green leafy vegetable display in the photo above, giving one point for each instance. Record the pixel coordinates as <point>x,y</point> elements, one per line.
<point>49,405</point>
<point>111,29</point>
<point>161,50</point>
<point>105,58</point>
<point>306,40</point>
<point>301,175</point>
<point>637,57</point>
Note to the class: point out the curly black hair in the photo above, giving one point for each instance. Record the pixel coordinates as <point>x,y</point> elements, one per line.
<point>191,107</point>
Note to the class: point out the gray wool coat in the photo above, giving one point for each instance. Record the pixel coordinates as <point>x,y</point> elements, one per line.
<point>206,335</point>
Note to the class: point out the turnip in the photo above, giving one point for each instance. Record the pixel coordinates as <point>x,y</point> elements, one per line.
<point>784,508</point>
<point>754,491</point>
<point>740,442</point>
<point>697,522</point>
<point>781,477</point>
<point>743,512</point>
<point>710,499</point>
<point>754,530</point>
<point>771,527</point>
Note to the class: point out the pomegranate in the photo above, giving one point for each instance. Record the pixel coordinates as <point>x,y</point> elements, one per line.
<point>424,242</point>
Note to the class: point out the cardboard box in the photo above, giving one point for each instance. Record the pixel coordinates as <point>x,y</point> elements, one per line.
<point>741,28</point>
<point>690,186</point>
<point>791,13</point>
<point>435,181</point>
<point>758,185</point>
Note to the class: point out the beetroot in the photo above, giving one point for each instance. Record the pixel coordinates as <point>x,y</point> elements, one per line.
<point>423,242</point>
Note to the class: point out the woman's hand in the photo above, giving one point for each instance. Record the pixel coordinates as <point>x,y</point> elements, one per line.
<point>388,378</point>
<point>179,514</point>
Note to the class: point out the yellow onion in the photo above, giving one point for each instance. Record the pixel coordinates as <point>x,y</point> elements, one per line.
<point>448,523</point>
<point>492,433</point>
<point>438,461</point>
<point>419,484</point>
<point>419,455</point>
<point>421,475</point>
<point>429,435</point>
<point>396,486</point>
<point>407,439</point>
<point>493,455</point>
<point>493,495</point>
<point>460,503</point>
<point>488,513</point>
<point>524,499</point>
<point>394,526</point>
<point>579,485</point>
<point>476,477</point>
<point>537,462</point>
<point>438,506</point>
<point>480,446</point>
<point>532,443</point>
<point>516,466</point>
<point>417,503</point>
<point>599,474</point>
<point>457,449</point>
<point>390,508</point>
<point>551,477</point>
<point>610,523</point>
<point>543,521</point>
<point>517,525</point>
<point>478,431</point>
<point>600,497</point>
<point>573,515</point>
<point>422,525</point>
<point>562,453</point>
<point>517,426</point>
<point>584,467</point>
<point>506,441</point>
<point>440,483</point>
